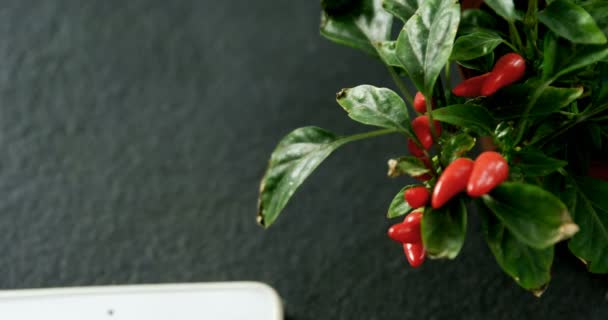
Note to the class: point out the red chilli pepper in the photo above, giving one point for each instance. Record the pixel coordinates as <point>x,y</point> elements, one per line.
<point>490,170</point>
<point>470,87</point>
<point>452,181</point>
<point>407,231</point>
<point>427,163</point>
<point>417,197</point>
<point>422,129</point>
<point>414,149</point>
<point>415,253</point>
<point>420,103</point>
<point>508,69</point>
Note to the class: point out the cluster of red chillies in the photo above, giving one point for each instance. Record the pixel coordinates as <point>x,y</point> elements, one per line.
<point>477,177</point>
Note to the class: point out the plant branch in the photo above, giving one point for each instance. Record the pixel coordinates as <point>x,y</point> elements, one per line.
<point>524,117</point>
<point>401,85</point>
<point>514,34</point>
<point>370,134</point>
<point>582,118</point>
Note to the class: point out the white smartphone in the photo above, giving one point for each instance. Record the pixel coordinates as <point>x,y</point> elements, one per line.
<point>214,301</point>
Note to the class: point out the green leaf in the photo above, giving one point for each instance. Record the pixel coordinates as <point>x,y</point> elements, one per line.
<point>444,229</point>
<point>379,107</point>
<point>474,20</point>
<point>577,57</point>
<point>554,99</point>
<point>402,9</point>
<point>544,130</point>
<point>529,267</point>
<point>589,208</point>
<point>360,27</point>
<point>409,165</point>
<point>572,22</point>
<point>599,11</point>
<point>475,45</point>
<point>455,147</point>
<point>425,43</point>
<point>466,116</point>
<point>535,216</point>
<point>399,207</point>
<point>504,8</point>
<point>296,156</point>
<point>536,163</point>
<point>510,103</point>
<point>549,53</point>
<point>388,53</point>
<point>482,64</point>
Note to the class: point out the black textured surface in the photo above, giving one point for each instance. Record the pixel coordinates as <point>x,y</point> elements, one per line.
<point>134,134</point>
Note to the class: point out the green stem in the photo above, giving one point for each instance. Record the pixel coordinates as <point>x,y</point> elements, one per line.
<point>524,117</point>
<point>448,80</point>
<point>582,118</point>
<point>370,134</point>
<point>429,109</point>
<point>401,85</point>
<point>599,119</point>
<point>510,45</point>
<point>515,35</point>
<point>440,92</point>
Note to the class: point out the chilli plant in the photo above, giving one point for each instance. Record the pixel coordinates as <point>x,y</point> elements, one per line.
<point>536,93</point>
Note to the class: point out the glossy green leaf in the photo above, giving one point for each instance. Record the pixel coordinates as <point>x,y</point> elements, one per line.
<point>388,53</point>
<point>408,165</point>
<point>504,135</point>
<point>444,229</point>
<point>535,216</point>
<point>425,43</point>
<point>543,131</point>
<point>554,99</point>
<point>360,27</point>
<point>482,64</point>
<point>296,156</point>
<point>574,58</point>
<point>589,208</point>
<point>455,147</point>
<point>475,45</point>
<point>510,103</point>
<point>399,207</point>
<point>380,107</point>
<point>504,8</point>
<point>475,20</point>
<point>549,54</point>
<point>599,11</point>
<point>528,266</point>
<point>466,116</point>
<point>536,163</point>
<point>572,22</point>
<point>402,9</point>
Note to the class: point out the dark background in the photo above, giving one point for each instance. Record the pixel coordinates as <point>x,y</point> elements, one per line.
<point>133,136</point>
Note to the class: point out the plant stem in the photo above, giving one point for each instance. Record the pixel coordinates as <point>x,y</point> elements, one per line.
<point>582,118</point>
<point>440,92</point>
<point>524,117</point>
<point>448,80</point>
<point>370,134</point>
<point>401,85</point>
<point>429,112</point>
<point>515,35</point>
<point>510,45</point>
<point>533,9</point>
